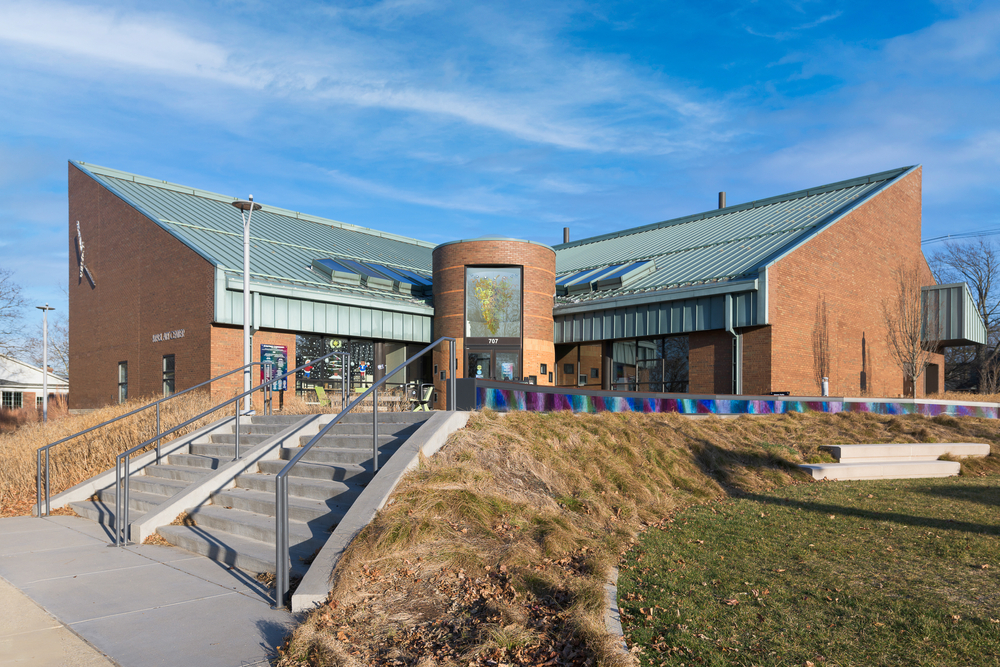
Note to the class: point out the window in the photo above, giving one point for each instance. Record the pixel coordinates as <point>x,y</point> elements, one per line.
<point>11,400</point>
<point>492,302</point>
<point>122,381</point>
<point>168,374</point>
<point>38,402</point>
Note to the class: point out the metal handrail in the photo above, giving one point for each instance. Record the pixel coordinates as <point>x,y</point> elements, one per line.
<point>38,453</point>
<point>122,495</point>
<point>282,559</point>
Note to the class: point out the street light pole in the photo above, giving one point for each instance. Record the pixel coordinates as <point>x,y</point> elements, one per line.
<point>246,207</point>
<point>45,360</point>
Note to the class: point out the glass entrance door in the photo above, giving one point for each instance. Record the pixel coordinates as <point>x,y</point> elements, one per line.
<point>493,364</point>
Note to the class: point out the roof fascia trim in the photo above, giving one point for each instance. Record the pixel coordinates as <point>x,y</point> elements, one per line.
<point>659,296</point>
<point>798,194</point>
<point>284,212</point>
<point>152,218</point>
<point>835,218</point>
<point>269,289</point>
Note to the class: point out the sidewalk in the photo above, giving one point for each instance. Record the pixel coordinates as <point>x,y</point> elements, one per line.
<point>141,606</point>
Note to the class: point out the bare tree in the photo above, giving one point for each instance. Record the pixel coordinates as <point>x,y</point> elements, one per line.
<point>11,305</point>
<point>909,343</point>
<point>976,263</point>
<point>821,342</point>
<point>58,346</point>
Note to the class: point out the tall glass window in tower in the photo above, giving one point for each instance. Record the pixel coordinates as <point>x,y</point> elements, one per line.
<point>122,381</point>
<point>492,302</point>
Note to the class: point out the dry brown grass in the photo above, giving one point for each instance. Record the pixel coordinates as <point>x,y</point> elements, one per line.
<point>965,396</point>
<point>11,420</point>
<point>497,548</point>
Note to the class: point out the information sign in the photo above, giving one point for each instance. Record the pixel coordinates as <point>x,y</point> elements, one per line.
<point>278,356</point>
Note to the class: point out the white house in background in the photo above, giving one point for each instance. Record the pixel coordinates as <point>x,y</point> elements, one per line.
<point>21,384</point>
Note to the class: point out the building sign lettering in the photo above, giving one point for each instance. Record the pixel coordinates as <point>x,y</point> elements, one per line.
<point>168,335</point>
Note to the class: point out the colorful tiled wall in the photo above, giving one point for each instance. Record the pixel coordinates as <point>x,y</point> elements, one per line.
<point>507,400</point>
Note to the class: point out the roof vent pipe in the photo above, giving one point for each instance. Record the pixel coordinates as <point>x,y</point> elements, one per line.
<point>565,234</point>
<point>722,200</point>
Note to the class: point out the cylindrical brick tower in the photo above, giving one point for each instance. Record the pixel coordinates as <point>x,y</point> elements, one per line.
<point>494,295</point>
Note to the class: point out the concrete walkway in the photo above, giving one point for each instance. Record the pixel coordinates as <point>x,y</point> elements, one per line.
<point>141,606</point>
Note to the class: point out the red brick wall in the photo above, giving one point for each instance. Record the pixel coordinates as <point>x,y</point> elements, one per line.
<point>148,283</point>
<point>756,360</point>
<point>846,272</point>
<point>227,354</point>
<point>538,287</point>
<point>710,362</point>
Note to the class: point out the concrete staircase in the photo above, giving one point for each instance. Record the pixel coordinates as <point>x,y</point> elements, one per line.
<point>237,526</point>
<point>154,484</point>
<point>894,461</point>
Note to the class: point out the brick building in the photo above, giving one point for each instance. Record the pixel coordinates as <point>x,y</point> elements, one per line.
<point>749,299</point>
<point>21,385</point>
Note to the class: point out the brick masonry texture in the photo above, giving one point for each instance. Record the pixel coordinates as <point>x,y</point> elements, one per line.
<point>148,283</point>
<point>227,354</point>
<point>845,272</point>
<point>710,362</point>
<point>538,287</point>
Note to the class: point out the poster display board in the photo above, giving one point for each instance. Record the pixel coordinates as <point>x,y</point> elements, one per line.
<point>278,356</point>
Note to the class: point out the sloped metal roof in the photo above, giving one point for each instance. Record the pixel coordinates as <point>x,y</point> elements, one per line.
<point>720,245</point>
<point>283,242</point>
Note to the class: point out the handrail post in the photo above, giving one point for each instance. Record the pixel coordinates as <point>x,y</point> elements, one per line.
<point>48,491</point>
<point>237,430</point>
<point>38,482</point>
<point>281,543</point>
<point>157,433</point>
<point>452,398</point>
<point>118,501</point>
<point>375,432</point>
<point>128,500</point>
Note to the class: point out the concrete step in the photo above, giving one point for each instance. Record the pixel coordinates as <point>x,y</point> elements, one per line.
<point>882,470</point>
<point>390,428</point>
<point>195,461</point>
<point>352,441</point>
<point>386,417</point>
<point>160,486</point>
<point>223,452</point>
<point>242,552</point>
<point>284,420</point>
<point>180,473</point>
<point>263,429</point>
<point>299,509</point>
<point>246,440</point>
<point>910,451</point>
<point>316,489</point>
<point>318,470</point>
<point>137,501</point>
<point>259,527</point>
<point>340,456</point>
<point>96,510</point>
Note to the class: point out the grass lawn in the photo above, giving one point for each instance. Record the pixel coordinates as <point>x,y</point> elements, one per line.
<point>899,572</point>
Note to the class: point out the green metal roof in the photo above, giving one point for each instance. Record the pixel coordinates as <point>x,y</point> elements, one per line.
<point>283,243</point>
<point>720,245</point>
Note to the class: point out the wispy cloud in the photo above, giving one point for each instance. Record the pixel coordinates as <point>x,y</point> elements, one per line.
<point>556,106</point>
<point>475,200</point>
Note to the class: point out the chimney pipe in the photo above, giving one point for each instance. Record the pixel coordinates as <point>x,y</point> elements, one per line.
<point>565,234</point>
<point>722,200</point>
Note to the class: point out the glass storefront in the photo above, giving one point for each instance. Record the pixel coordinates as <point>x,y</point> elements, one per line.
<point>366,365</point>
<point>658,365</point>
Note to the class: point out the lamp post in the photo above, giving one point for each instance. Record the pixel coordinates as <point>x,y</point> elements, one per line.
<point>45,360</point>
<point>246,207</point>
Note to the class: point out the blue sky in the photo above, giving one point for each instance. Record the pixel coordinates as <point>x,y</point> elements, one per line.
<point>445,120</point>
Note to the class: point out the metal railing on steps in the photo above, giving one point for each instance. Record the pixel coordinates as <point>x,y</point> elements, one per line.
<point>282,557</point>
<point>122,461</point>
<point>47,448</point>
